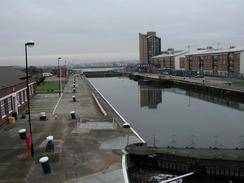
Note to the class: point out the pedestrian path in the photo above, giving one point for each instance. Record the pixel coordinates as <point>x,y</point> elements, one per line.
<point>87,149</point>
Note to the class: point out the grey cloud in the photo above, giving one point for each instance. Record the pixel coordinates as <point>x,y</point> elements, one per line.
<point>69,27</point>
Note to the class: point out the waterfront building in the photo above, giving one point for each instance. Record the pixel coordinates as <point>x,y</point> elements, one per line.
<point>149,45</point>
<point>170,59</point>
<point>13,92</point>
<point>221,62</point>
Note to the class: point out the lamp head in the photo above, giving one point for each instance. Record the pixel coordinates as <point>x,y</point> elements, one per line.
<point>30,43</point>
<point>59,58</point>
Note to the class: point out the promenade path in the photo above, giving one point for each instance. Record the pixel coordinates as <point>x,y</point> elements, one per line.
<point>87,149</point>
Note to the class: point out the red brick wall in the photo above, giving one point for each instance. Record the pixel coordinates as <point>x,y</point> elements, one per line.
<point>208,62</point>
<point>165,62</point>
<point>195,65</point>
<point>237,63</point>
<point>183,64</point>
<point>222,62</point>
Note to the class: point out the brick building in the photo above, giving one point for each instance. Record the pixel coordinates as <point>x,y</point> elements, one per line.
<point>226,62</point>
<point>13,93</point>
<point>169,59</point>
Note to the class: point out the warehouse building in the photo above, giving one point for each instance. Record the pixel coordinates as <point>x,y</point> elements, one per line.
<point>13,92</point>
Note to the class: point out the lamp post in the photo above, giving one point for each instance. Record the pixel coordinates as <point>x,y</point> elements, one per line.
<point>59,83</point>
<point>65,66</point>
<point>28,44</point>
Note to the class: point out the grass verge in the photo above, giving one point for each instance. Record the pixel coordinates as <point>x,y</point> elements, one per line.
<point>49,87</point>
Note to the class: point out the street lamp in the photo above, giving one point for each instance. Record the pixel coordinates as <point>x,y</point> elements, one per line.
<point>28,44</point>
<point>59,83</point>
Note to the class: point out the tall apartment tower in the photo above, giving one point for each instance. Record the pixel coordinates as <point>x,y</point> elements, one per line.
<point>149,45</point>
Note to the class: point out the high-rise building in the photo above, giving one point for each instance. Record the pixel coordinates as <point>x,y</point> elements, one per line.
<point>149,45</point>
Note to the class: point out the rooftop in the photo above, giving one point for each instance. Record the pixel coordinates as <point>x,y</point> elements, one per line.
<point>215,51</point>
<point>175,53</point>
<point>10,76</point>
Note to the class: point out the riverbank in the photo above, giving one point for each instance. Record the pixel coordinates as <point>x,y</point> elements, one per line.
<point>87,149</point>
<point>229,88</point>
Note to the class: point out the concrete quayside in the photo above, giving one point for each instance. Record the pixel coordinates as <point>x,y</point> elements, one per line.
<point>87,148</point>
<point>208,85</point>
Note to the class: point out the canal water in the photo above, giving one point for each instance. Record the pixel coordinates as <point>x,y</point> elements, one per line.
<point>175,117</point>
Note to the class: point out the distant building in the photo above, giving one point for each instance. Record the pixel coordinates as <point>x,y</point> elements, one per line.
<point>170,59</point>
<point>13,93</point>
<point>46,74</point>
<point>149,45</point>
<point>61,72</point>
<point>224,62</point>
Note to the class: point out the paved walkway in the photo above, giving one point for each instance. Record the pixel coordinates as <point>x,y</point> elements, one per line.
<point>88,149</point>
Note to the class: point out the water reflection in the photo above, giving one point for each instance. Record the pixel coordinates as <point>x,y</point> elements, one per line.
<point>150,97</point>
<point>209,98</point>
<point>180,117</point>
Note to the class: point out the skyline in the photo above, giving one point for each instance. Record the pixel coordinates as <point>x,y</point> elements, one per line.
<point>99,31</point>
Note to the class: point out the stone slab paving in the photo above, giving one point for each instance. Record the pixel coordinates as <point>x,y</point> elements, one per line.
<point>14,166</point>
<point>108,177</point>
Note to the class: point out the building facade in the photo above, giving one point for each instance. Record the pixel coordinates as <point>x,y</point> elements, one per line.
<point>169,60</point>
<point>13,92</point>
<point>228,62</point>
<point>149,45</point>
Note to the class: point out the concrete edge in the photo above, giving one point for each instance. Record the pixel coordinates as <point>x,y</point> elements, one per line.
<point>124,166</point>
<point>99,105</point>
<point>132,129</point>
<point>138,136</point>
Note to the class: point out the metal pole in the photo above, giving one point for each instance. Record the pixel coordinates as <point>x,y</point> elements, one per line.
<point>59,79</point>
<point>154,140</point>
<point>65,69</point>
<point>28,100</point>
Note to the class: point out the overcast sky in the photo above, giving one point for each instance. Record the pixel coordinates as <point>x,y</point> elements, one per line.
<point>104,30</point>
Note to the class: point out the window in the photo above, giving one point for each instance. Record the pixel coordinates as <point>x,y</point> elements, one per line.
<point>30,89</point>
<point>22,97</point>
<point>3,112</point>
<point>32,86</point>
<point>18,99</point>
<point>25,92</point>
<point>10,106</point>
